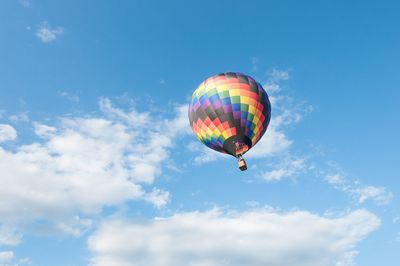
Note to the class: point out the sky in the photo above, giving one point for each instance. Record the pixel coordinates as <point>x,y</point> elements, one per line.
<point>99,166</point>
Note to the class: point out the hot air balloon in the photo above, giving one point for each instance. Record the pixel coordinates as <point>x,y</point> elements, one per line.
<point>229,113</point>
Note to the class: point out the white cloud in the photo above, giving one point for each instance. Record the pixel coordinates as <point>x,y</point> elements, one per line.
<point>6,256</point>
<point>379,195</point>
<point>272,143</point>
<point>43,130</point>
<point>153,140</point>
<point>8,234</point>
<point>146,156</point>
<point>133,117</point>
<point>288,168</point>
<point>180,124</point>
<point>7,132</point>
<point>79,166</point>
<point>47,34</point>
<point>214,238</point>
<point>25,261</point>
<point>158,197</point>
<point>55,179</point>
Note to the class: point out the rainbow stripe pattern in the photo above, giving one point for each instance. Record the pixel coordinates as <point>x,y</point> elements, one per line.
<point>229,112</point>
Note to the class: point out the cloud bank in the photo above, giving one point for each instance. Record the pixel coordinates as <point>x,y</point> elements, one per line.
<point>215,238</point>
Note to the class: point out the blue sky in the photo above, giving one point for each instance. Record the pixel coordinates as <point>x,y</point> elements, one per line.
<point>98,165</point>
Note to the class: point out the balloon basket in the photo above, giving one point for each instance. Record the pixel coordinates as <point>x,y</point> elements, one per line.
<point>242,164</point>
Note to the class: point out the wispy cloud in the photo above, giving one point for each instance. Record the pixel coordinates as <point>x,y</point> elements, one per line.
<point>291,166</point>
<point>20,117</point>
<point>277,75</point>
<point>258,237</point>
<point>48,34</point>
<point>379,195</point>
<point>69,96</point>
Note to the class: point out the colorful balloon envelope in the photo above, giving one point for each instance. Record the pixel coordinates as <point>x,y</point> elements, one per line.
<point>229,113</point>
